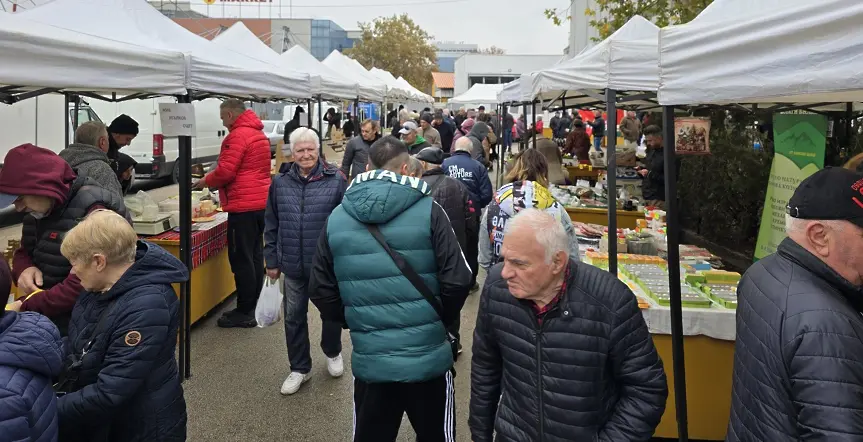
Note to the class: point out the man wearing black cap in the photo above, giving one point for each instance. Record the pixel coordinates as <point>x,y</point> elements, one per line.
<point>798,356</point>
<point>452,195</point>
<point>446,129</point>
<point>121,132</point>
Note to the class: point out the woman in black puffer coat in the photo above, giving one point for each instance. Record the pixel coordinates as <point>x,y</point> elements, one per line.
<point>127,387</point>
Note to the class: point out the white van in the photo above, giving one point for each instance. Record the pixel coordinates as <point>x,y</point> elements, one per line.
<point>39,121</point>
<point>155,153</point>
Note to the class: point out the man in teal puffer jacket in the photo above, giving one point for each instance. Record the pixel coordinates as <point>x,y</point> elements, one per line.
<point>402,360</point>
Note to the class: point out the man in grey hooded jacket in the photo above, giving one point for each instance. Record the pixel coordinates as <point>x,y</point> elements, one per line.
<point>477,135</point>
<point>88,156</point>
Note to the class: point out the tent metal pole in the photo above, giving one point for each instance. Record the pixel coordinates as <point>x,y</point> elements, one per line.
<point>185,165</point>
<point>66,122</point>
<point>533,112</point>
<point>75,114</point>
<point>524,114</point>
<point>673,234</point>
<point>309,109</point>
<point>611,178</point>
<point>849,116</point>
<point>321,124</point>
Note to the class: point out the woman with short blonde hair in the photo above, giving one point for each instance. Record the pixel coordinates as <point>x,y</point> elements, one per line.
<point>120,380</point>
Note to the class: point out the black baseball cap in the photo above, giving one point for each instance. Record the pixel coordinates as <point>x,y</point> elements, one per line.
<point>833,193</point>
<point>431,155</point>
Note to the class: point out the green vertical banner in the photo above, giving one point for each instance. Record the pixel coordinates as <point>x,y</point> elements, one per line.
<point>799,143</point>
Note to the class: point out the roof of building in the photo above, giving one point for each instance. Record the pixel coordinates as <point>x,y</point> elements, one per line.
<point>444,80</point>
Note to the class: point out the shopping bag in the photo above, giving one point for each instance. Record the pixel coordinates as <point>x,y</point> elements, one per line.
<point>269,308</point>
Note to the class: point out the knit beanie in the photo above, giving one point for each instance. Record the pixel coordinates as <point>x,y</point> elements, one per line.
<point>124,125</point>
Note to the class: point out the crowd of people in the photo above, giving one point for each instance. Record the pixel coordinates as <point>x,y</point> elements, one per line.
<point>560,351</point>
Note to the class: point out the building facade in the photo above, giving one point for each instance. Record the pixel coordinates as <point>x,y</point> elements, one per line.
<point>318,37</point>
<point>443,86</point>
<point>449,52</point>
<point>581,34</point>
<point>471,69</point>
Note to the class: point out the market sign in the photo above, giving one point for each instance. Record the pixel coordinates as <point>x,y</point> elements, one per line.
<point>178,119</point>
<point>799,144</point>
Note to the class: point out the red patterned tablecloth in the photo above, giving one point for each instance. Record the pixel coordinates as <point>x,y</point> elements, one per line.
<point>207,241</point>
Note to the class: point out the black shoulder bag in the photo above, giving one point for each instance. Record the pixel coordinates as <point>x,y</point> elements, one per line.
<point>68,380</point>
<point>417,282</point>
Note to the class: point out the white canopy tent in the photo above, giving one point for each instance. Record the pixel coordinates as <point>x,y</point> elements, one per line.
<point>33,54</point>
<point>239,38</point>
<point>370,86</point>
<point>518,90</point>
<point>769,51</point>
<point>330,83</point>
<point>211,68</point>
<point>625,61</point>
<point>479,94</point>
<point>395,90</point>
<point>421,97</point>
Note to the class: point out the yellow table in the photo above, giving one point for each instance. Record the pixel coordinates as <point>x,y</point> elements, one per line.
<point>211,276</point>
<point>583,172</point>
<point>625,219</point>
<point>709,364</point>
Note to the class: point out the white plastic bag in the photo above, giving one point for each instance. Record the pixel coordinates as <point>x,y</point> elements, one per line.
<point>269,308</point>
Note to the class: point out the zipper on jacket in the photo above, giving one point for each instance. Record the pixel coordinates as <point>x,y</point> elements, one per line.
<point>302,214</point>
<point>540,327</point>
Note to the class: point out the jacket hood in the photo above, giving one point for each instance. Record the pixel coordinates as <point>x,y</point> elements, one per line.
<point>153,265</point>
<point>419,140</point>
<point>467,125</point>
<point>78,154</point>
<point>377,196</point>
<point>513,197</point>
<point>480,130</point>
<point>31,342</point>
<point>32,170</point>
<point>248,119</point>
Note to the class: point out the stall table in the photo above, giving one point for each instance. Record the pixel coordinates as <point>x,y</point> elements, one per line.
<point>211,276</point>
<point>625,219</point>
<point>583,172</point>
<point>708,341</point>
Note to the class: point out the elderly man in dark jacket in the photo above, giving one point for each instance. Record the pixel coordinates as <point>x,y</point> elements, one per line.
<point>88,156</point>
<point>560,350</point>
<point>301,198</point>
<point>446,129</point>
<point>357,151</point>
<point>799,348</point>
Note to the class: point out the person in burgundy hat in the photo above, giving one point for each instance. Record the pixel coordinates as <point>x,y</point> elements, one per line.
<point>41,184</point>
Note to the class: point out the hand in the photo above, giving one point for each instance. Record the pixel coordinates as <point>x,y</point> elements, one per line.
<point>30,280</point>
<point>15,306</point>
<point>273,273</point>
<point>200,184</point>
<point>643,172</point>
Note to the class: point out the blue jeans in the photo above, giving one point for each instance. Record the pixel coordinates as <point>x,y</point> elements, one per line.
<point>507,138</point>
<point>297,328</point>
<point>597,142</point>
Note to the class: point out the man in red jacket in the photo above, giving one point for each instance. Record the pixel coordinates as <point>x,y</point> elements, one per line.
<point>40,183</point>
<point>242,177</point>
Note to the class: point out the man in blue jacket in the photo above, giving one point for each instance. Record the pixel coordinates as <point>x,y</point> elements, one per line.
<point>474,175</point>
<point>402,359</point>
<point>31,354</point>
<point>300,200</point>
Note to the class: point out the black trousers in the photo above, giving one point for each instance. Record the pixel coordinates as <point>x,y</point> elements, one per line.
<point>430,406</point>
<point>471,252</point>
<point>246,255</point>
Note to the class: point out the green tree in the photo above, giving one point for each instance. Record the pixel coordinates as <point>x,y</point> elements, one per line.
<point>610,15</point>
<point>398,45</point>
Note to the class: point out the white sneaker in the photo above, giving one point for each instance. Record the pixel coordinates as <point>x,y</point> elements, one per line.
<point>293,382</point>
<point>336,366</point>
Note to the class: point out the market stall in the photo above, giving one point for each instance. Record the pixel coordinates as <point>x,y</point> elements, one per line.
<point>212,280</point>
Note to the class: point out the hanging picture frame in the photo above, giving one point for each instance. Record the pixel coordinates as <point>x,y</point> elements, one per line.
<point>692,136</point>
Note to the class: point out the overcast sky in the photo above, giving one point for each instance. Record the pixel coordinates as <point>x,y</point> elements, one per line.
<point>518,26</point>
